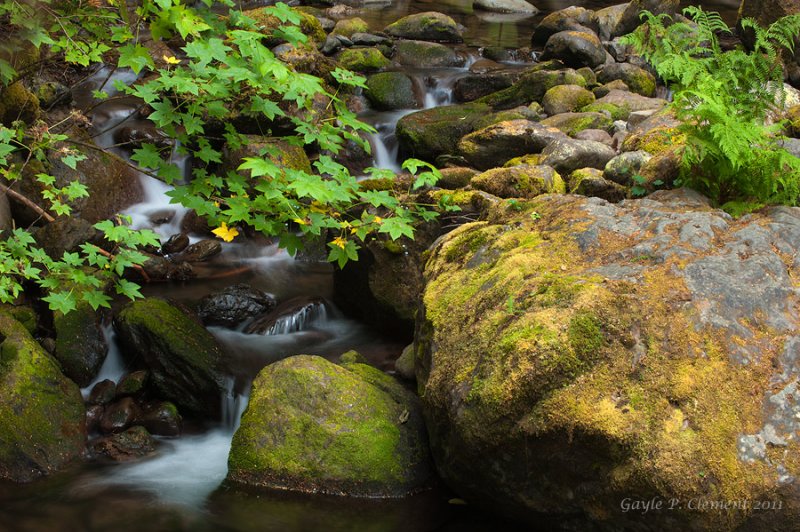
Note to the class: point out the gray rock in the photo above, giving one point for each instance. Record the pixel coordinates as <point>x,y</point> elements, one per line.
<point>494,145</point>
<point>624,166</point>
<point>234,305</point>
<point>566,155</point>
<point>575,48</point>
<point>506,6</point>
<point>570,18</point>
<point>609,21</point>
<point>637,79</point>
<point>423,54</point>
<point>428,26</point>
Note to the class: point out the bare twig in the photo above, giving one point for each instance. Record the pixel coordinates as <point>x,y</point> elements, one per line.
<point>22,199</point>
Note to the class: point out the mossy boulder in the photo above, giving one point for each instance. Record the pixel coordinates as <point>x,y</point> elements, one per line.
<point>567,155</point>
<point>388,91</point>
<point>81,346</point>
<point>590,182</point>
<point>521,181</point>
<point>432,132</point>
<point>575,49</point>
<point>18,103</point>
<point>185,361</point>
<point>573,123</point>
<point>267,24</point>
<point>570,18</point>
<point>42,417</point>
<point>621,103</point>
<point>639,350</point>
<point>492,146</point>
<point>566,99</point>
<point>314,426</point>
<point>624,167</point>
<point>362,59</point>
<point>637,79</point>
<point>421,54</point>
<point>349,26</point>
<point>532,86</point>
<point>427,26</point>
<point>792,117</point>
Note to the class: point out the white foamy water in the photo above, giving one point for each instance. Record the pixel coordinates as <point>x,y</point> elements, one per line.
<point>113,367</point>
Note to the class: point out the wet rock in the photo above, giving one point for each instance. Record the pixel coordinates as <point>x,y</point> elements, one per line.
<point>432,132</point>
<point>134,136</point>
<point>575,48</point>
<point>637,79</point>
<point>65,233</point>
<point>161,217</point>
<point>42,417</point>
<point>566,99</point>
<point>369,39</point>
<point>160,268</point>
<point>633,357</point>
<point>52,93</point>
<point>175,244</point>
<point>293,315</point>
<point>423,54</point>
<point>472,87</point>
<point>362,59</point>
<point>132,444</point>
<point>345,430</point>
<point>103,392</point>
<point>81,346</point>
<point>234,305</point>
<point>331,45</point>
<point>184,359</point>
<point>622,168</point>
<point>94,413</point>
<point>506,6</point>
<point>569,19</point>
<point>389,91</point>
<point>428,26</point>
<point>132,383</point>
<point>521,181</point>
<point>494,145</point>
<point>566,155</point>
<point>119,415</point>
<point>456,177</point>
<point>162,419</point>
<point>201,251</point>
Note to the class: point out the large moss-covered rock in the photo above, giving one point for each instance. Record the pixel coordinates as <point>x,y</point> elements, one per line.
<point>639,350</point>
<point>566,99</point>
<point>428,26</point>
<point>277,150</point>
<point>532,86</point>
<point>349,26</point>
<point>573,123</point>
<point>18,103</point>
<point>390,91</point>
<point>494,145</point>
<point>620,104</point>
<point>362,59</point>
<point>317,427</point>
<point>570,18</point>
<point>80,344</point>
<point>637,79</point>
<point>421,54</point>
<point>42,418</point>
<point>520,181</point>
<point>575,48</point>
<point>432,132</point>
<point>184,359</point>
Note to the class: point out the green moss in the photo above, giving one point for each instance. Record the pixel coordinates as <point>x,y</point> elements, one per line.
<point>616,112</point>
<point>573,123</point>
<point>309,25</point>
<point>656,141</point>
<point>585,335</point>
<point>18,103</point>
<point>348,27</point>
<point>352,357</point>
<point>362,59</point>
<point>330,428</point>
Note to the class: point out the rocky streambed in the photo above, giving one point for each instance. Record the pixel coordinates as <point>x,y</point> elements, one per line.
<point>565,346</point>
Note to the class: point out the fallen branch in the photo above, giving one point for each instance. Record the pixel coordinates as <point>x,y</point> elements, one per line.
<point>28,203</point>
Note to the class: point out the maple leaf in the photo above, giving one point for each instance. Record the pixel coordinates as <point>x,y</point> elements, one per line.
<point>226,233</point>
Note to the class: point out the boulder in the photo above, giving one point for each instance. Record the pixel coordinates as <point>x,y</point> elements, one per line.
<point>119,416</point>
<point>625,102</point>
<point>492,146</point>
<point>421,54</point>
<point>42,417</point>
<point>520,181</point>
<point>184,359</point>
<point>427,26</point>
<point>566,155</point>
<point>598,135</point>
<point>234,305</point>
<point>630,18</point>
<point>350,26</point>
<point>81,345</point>
<point>566,99</point>
<point>268,24</point>
<point>598,353</point>
<point>277,150</point>
<point>590,182</point>
<point>609,21</point>
<point>573,123</point>
<point>432,132</point>
<point>317,427</point>
<point>506,6</point>
<point>66,233</point>
<point>531,87</point>
<point>162,419</point>
<point>575,49</point>
<point>571,18</point>
<point>768,11</point>
<point>475,86</point>
<point>637,79</point>
<point>132,444</point>
<point>622,168</point>
<point>18,103</point>
<point>389,91</point>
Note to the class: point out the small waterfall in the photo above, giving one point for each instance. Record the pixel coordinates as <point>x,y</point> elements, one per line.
<point>233,405</point>
<point>298,321</point>
<point>113,367</point>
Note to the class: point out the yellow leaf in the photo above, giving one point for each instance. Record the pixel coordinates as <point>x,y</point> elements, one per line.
<point>171,60</point>
<point>226,233</point>
<point>339,241</point>
<point>300,221</point>
<point>378,219</point>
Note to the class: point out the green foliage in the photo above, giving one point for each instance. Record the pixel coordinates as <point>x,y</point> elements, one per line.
<point>723,98</point>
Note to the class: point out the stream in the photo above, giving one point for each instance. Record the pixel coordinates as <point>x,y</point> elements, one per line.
<point>179,488</point>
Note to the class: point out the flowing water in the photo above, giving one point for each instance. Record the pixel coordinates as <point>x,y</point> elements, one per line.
<point>181,487</point>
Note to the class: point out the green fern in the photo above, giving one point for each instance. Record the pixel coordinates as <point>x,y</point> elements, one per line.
<point>723,99</point>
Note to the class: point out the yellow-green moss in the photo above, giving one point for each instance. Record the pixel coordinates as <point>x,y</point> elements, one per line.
<point>362,59</point>
<point>656,141</point>
<point>309,25</point>
<point>348,27</point>
<point>18,103</point>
